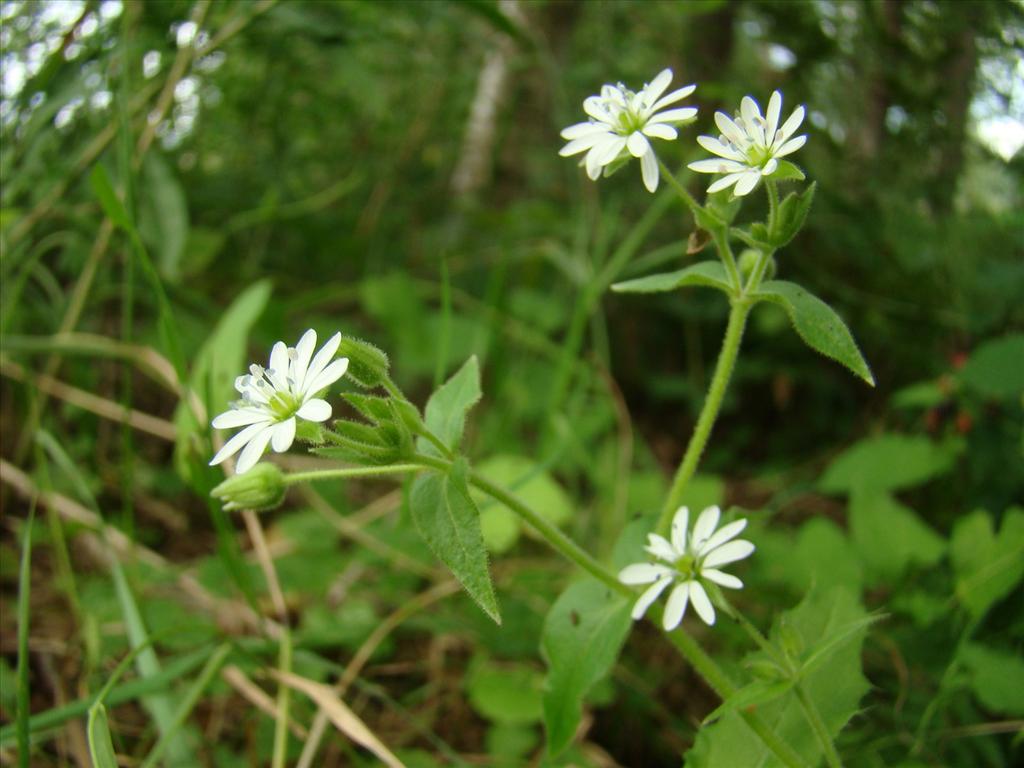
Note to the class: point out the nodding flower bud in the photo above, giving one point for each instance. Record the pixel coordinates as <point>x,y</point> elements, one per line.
<point>749,259</point>
<point>261,488</point>
<point>367,365</point>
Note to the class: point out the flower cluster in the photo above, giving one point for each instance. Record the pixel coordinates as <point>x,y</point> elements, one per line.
<point>273,398</point>
<point>622,123</point>
<point>689,559</point>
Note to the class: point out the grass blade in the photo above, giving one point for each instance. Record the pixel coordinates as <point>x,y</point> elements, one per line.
<point>24,592</point>
<point>101,747</point>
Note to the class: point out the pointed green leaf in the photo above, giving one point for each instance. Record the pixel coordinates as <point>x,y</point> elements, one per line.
<point>707,273</point>
<point>997,678</point>
<point>448,520</point>
<point>112,206</point>
<point>791,216</point>
<point>890,537</point>
<point>583,634</point>
<point>836,686</point>
<point>753,695</point>
<point>787,171</point>
<point>987,566</point>
<point>447,407</point>
<point>817,324</point>
<point>888,463</point>
<point>101,748</point>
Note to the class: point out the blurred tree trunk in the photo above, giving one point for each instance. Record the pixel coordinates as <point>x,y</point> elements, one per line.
<point>958,82</point>
<point>878,93</point>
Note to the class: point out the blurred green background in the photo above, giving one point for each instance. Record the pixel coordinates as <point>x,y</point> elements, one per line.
<point>390,169</point>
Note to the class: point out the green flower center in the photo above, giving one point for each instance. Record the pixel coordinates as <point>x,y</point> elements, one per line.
<point>758,155</point>
<point>284,405</point>
<point>629,122</point>
<point>687,566</point>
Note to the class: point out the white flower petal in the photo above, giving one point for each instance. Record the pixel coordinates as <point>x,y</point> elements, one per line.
<point>791,146</point>
<point>283,435</point>
<point>730,130</point>
<point>658,85</point>
<point>611,150</point>
<point>254,450</point>
<point>728,553</point>
<point>674,115</point>
<point>725,182</point>
<point>597,108</point>
<point>704,527</point>
<point>649,171</point>
<point>239,417</point>
<point>675,609</point>
<point>319,363</point>
<point>315,410</point>
<point>637,144</point>
<point>750,112</point>
<point>772,116</point>
<point>727,532</point>
<point>661,549</point>
<point>592,161</point>
<point>649,596</point>
<point>680,524</point>
<point>716,147</point>
<point>701,603</point>
<point>643,573</point>
<point>328,376</point>
<point>712,165</point>
<point>581,130</point>
<point>582,144</point>
<point>277,370</point>
<point>660,131</point>
<point>747,183</point>
<point>770,167</point>
<point>792,123</point>
<point>725,579</point>
<point>673,97</point>
<point>303,352</point>
<point>232,446</point>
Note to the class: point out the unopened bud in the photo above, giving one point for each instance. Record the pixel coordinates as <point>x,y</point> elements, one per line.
<point>748,262</point>
<point>261,488</point>
<point>367,365</point>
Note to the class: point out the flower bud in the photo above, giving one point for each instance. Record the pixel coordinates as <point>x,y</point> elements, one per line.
<point>261,488</point>
<point>367,365</point>
<point>748,261</point>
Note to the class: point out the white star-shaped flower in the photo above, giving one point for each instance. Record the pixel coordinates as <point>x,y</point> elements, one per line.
<point>622,122</point>
<point>275,396</point>
<point>750,145</point>
<point>686,561</point>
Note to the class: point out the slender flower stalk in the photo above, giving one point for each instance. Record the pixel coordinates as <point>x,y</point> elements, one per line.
<point>623,122</point>
<point>275,397</point>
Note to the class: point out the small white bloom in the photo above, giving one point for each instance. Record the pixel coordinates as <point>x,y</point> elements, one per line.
<point>750,145</point>
<point>275,396</point>
<point>687,560</point>
<point>622,122</point>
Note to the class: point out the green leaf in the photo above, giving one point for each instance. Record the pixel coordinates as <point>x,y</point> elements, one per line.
<point>890,537</point>
<point>821,555</point>
<point>583,634</point>
<point>163,215</point>
<point>817,324</point>
<point>996,368</point>
<point>791,215</point>
<point>221,358</point>
<point>997,678</point>
<point>787,171</point>
<point>112,205</point>
<point>448,520</point>
<point>888,463</point>
<point>528,481</point>
<point>101,748</point>
<point>707,273</point>
<point>987,566</point>
<point>505,693</point>
<point>753,695</point>
<point>447,407</point>
<point>835,686</point>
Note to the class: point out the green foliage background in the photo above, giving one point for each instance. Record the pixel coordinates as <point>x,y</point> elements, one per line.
<point>316,166</point>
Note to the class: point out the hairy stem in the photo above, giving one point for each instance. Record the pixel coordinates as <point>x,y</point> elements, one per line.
<point>818,726</point>
<point>334,474</point>
<point>709,412</point>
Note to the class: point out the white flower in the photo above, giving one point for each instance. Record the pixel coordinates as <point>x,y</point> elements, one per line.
<point>687,560</point>
<point>273,397</point>
<point>621,122</point>
<point>750,145</point>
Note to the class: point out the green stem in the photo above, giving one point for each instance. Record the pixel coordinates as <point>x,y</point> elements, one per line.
<point>331,474</point>
<point>685,196</point>
<point>773,203</point>
<point>712,405</point>
<point>280,753</point>
<point>818,725</point>
<point>721,238</point>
